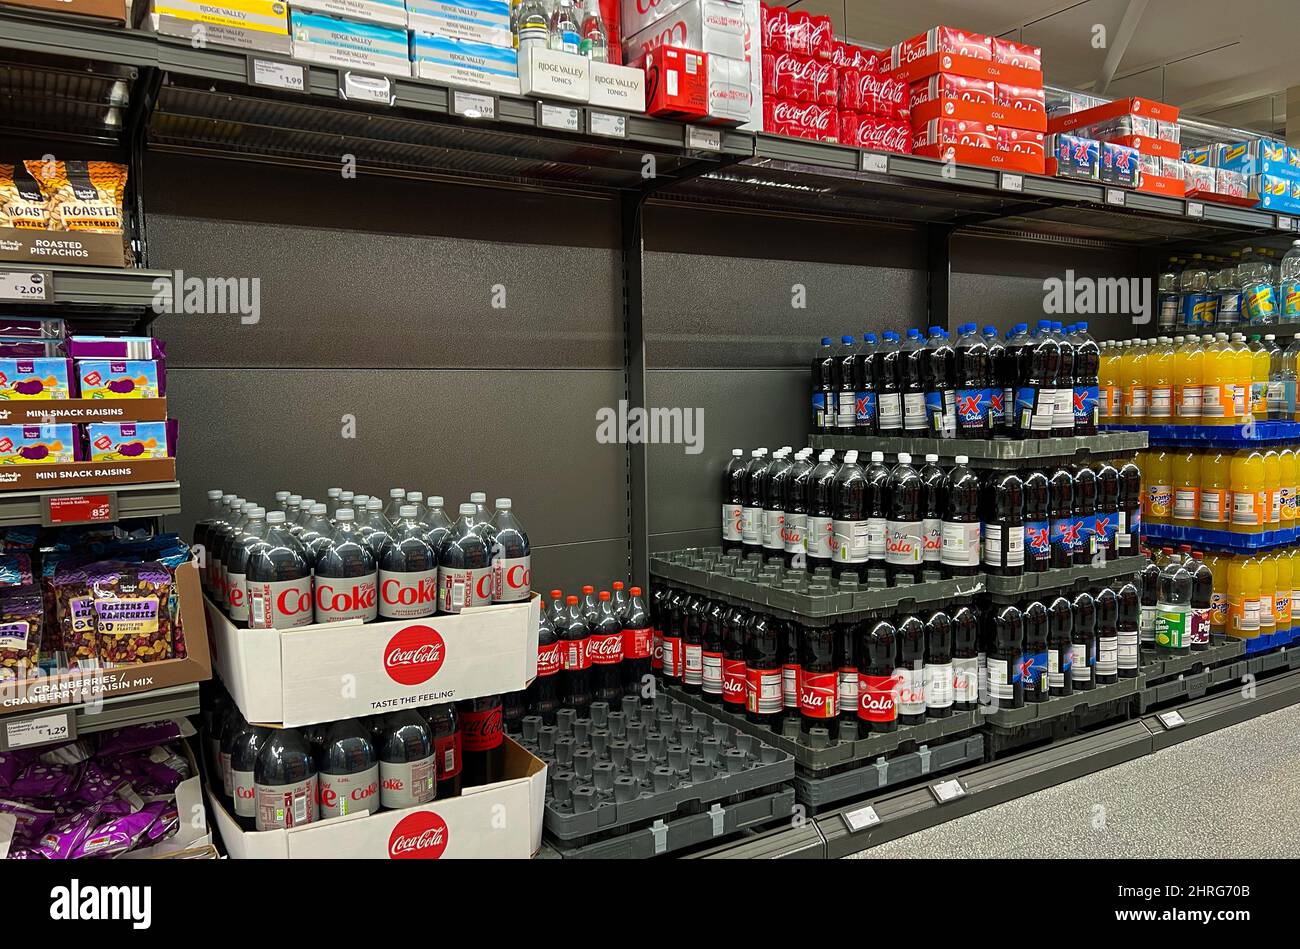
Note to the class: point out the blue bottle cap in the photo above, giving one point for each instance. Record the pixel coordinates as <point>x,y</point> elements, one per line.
<point>965,328</point>
<point>826,340</point>
<point>891,336</point>
<point>990,331</point>
<point>1022,328</point>
<point>869,337</point>
<point>1044,324</point>
<point>936,329</point>
<point>847,340</point>
<point>914,333</point>
<point>1056,327</point>
<point>1082,327</point>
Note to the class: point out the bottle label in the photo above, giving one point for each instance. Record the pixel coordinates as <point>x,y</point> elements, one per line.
<point>1107,655</point>
<point>1243,617</point>
<point>996,401</point>
<point>732,518</point>
<point>1275,507</point>
<point>1127,654</point>
<point>891,411</point>
<point>1063,415</point>
<point>575,656</point>
<point>1198,627</point>
<point>1212,404</point>
<point>1086,406</point>
<point>960,544</point>
<point>1282,609</point>
<point>1244,509</point>
<point>342,794</point>
<point>237,598</point>
<point>1038,540</point>
<point>911,690</point>
<point>851,542</point>
<point>550,658</point>
<point>1033,667</point>
<point>245,793</point>
<point>904,544</point>
<point>711,683</point>
<point>409,595</point>
<point>1168,314</point>
<point>1238,400</point>
<point>865,409</point>
<point>1189,401</point>
<point>1286,503</point>
<point>459,589</point>
<point>793,532</point>
<point>1161,402</point>
<point>1266,619</point>
<point>285,805</point>
<point>972,411</point>
<point>637,644</point>
<point>1291,302</point>
<point>1065,534</point>
<point>1003,675</point>
<point>877,538</point>
<point>1147,626</point>
<point>1135,402</point>
<point>751,525</point>
<point>1261,303</point>
<point>914,411</point>
<point>605,649</point>
<point>354,598</point>
<point>1080,663</point>
<point>693,658</point>
<point>932,536</point>
<point>1187,504</point>
<point>1117,401</point>
<point>447,754</point>
<point>1106,398</point>
<point>819,410</point>
<point>817,694</point>
<point>512,579</point>
<point>847,689</point>
<point>938,685</point>
<point>480,729</point>
<point>965,680</point>
<point>1104,526</point>
<point>821,532</point>
<point>1212,505</point>
<point>1004,547</point>
<point>1259,399</point>
<point>672,663</point>
<point>773,521</point>
<point>790,686</point>
<point>1035,408</point>
<point>877,698</point>
<point>1219,609</point>
<point>280,604</point>
<point>1124,540</point>
<point>1008,407</point>
<point>848,410</point>
<point>408,783</point>
<point>1229,308</point>
<point>763,691</point>
<point>1160,500</point>
<point>1060,664</point>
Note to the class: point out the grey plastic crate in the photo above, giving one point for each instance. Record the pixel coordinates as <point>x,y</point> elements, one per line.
<point>817,752</point>
<point>669,835</point>
<point>1156,666</point>
<point>1286,658</point>
<point>616,769</point>
<point>992,452</point>
<point>1006,719</point>
<point>818,791</point>
<point>1013,589</point>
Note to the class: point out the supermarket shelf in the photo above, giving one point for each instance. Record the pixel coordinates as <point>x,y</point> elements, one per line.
<point>991,452</point>
<point>819,792</point>
<point>1060,579</point>
<point>132,500</point>
<point>1229,540</point>
<point>70,721</point>
<point>1216,436</point>
<point>98,287</point>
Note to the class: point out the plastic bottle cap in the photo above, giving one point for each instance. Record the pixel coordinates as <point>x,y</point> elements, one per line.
<point>408,510</point>
<point>850,457</point>
<point>435,500</point>
<point>962,459</point>
<point>826,455</point>
<point>415,497</point>
<point>214,494</point>
<point>904,458</point>
<point>478,497</point>
<point>281,495</point>
<point>826,340</point>
<point>604,596</point>
<point>397,492</point>
<point>275,517</point>
<point>571,600</point>
<point>737,453</point>
<point>374,504</point>
<point>345,514</point>
<point>333,492</point>
<point>931,458</point>
<point>617,584</point>
<point>345,496</point>
<point>588,590</point>
<point>317,509</point>
<point>847,340</point>
<point>503,504</point>
<point>635,591</point>
<point>256,512</point>
<point>877,456</point>
<point>361,499</point>
<point>467,509</point>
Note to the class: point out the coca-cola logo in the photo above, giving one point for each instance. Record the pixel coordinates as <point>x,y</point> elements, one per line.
<point>245,793</point>
<point>422,592</point>
<point>422,835</point>
<point>483,588</point>
<point>330,797</point>
<point>674,35</point>
<point>549,659</point>
<point>360,597</point>
<point>776,22</point>
<point>883,136</point>
<point>819,32</point>
<point>517,577</point>
<point>802,115</point>
<point>645,6</point>
<point>605,650</point>
<point>414,655</point>
<point>293,601</point>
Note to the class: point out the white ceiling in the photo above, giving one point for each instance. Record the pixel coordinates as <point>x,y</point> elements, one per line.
<point>1229,61</point>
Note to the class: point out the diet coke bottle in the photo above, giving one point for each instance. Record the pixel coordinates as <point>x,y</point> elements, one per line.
<point>346,575</point>
<point>511,556</point>
<point>348,770</point>
<point>408,570</point>
<point>243,761</point>
<point>284,782</point>
<point>278,579</point>
<point>407,772</point>
<point>465,576</point>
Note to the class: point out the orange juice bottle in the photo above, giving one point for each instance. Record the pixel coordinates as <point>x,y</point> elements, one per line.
<point>1157,475</point>
<point>1259,371</point>
<point>1189,377</point>
<point>1267,593</point>
<point>1108,388</point>
<point>1289,486</point>
<point>1160,381</point>
<point>1248,492</point>
<point>1134,379</point>
<point>1214,383</point>
<point>1272,490</point>
<point>1243,597</point>
<point>1241,363</point>
<point>1218,564</point>
<point>1186,474</point>
<point>1282,600</point>
<point>1216,498</point>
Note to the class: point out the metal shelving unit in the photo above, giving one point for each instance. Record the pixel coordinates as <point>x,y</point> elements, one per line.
<point>993,452</point>
<point>61,723</point>
<point>130,500</point>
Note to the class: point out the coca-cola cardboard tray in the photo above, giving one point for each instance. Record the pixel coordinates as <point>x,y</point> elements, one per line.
<point>1146,108</point>
<point>1157,184</point>
<point>981,112</point>
<point>502,820</point>
<point>956,65</point>
<point>93,685</point>
<point>325,672</point>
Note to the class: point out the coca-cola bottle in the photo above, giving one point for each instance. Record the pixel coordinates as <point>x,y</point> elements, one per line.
<point>347,767</point>
<point>751,527</point>
<point>905,541</point>
<point>671,638</point>
<point>877,685</point>
<point>692,643</point>
<point>444,722</point>
<point>1083,641</point>
<point>774,506</point>
<point>284,782</point>
<point>789,656</point>
<point>875,508</point>
<point>278,578</point>
<point>375,528</point>
<point>396,500</point>
<point>232,724</point>
<point>482,525</point>
<point>763,696</point>
<point>236,561</point>
<point>638,645</point>
<point>658,607</point>
<point>818,679</point>
<point>1085,518</point>
<point>465,577</point>
<point>1038,522</point>
<point>1060,647</point>
<point>346,575</point>
<point>794,520</point>
<point>513,712</point>
<point>605,644</point>
<point>575,660</point>
<point>217,533</point>
<point>909,670</point>
<point>407,773</point>
<point>1003,516</point>
<point>960,551</point>
<point>733,502</point>
<point>316,533</point>
<point>1004,659</point>
<point>733,660</point>
<point>711,651</point>
<point>214,515</point>
<point>543,694</point>
<point>482,740</point>
<point>821,512</point>
<point>1128,523</point>
<point>932,501</point>
<point>620,600</point>
<point>243,763</point>
<point>849,523</point>
<point>1107,516</point>
<point>1127,630</point>
<point>965,658</point>
<point>440,525</point>
<point>1033,660</point>
<point>229,536</point>
<point>1107,667</point>
<point>408,570</point>
<point>511,556</point>
<point>846,669</point>
<point>939,696</point>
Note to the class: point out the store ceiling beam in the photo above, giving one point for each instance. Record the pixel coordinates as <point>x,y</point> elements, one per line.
<point>1118,45</point>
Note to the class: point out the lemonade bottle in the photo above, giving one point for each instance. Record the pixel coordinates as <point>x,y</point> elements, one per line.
<point>1157,475</point>
<point>1257,404</point>
<point>1282,599</point>
<point>1243,597</point>
<point>1186,474</point>
<point>1189,377</point>
<point>1272,513</point>
<point>1135,383</point>
<point>1216,502</point>
<point>1214,383</point>
<point>1219,599</point>
<point>1267,593</point>
<point>1247,479</point>
<point>1289,487</point>
<point>1160,381</point>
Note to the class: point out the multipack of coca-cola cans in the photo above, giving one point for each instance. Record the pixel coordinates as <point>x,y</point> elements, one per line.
<point>358,557</point>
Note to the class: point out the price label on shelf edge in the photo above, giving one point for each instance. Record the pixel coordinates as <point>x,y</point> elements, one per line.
<point>946,791</point>
<point>1171,720</point>
<point>1115,197</point>
<point>26,286</point>
<point>43,730</point>
<point>1195,209</point>
<point>562,117</point>
<point>1285,223</point>
<point>357,87</point>
<point>704,139</point>
<point>607,124</point>
<point>67,509</point>
<point>861,818</point>
<point>473,105</point>
<point>1009,181</point>
<point>875,162</point>
<point>277,74</point>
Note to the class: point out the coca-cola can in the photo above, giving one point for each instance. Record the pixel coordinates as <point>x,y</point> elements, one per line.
<point>849,122</point>
<point>850,78</point>
<point>826,84</point>
<point>798,33</point>
<point>795,77</point>
<point>849,55</point>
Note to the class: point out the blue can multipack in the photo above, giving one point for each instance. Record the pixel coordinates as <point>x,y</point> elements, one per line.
<point>1077,157</point>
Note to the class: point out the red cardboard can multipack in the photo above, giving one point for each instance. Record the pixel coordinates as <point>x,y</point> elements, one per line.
<point>1022,142</point>
<point>677,82</point>
<point>1028,98</point>
<point>884,134</point>
<point>947,86</point>
<point>776,28</point>
<point>882,95</point>
<point>852,56</point>
<point>801,120</point>
<point>955,132</point>
<point>790,76</point>
<point>942,39</point>
<point>821,38</point>
<point>1012,53</point>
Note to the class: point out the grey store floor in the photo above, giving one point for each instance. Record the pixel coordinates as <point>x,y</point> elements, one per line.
<point>1231,793</point>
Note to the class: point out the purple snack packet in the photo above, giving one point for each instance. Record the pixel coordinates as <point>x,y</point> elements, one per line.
<point>9,768</point>
<point>123,741</point>
<point>65,837</point>
<point>118,835</point>
<point>32,820</point>
<point>98,783</point>
<point>25,854</point>
<point>169,821</point>
<point>49,782</point>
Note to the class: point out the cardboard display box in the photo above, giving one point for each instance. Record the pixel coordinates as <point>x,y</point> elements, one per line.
<point>1033,120</point>
<point>326,672</point>
<point>1147,108</point>
<point>53,411</point>
<point>42,248</point>
<point>494,821</point>
<point>114,10</point>
<point>88,474</point>
<point>955,65</point>
<point>85,686</point>
<point>986,157</point>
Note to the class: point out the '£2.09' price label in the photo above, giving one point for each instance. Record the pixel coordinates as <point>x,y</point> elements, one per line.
<point>27,286</point>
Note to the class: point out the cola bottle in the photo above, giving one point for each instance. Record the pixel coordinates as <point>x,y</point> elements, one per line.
<point>482,525</point>
<point>734,622</point>
<point>1149,583</point>
<point>347,768</point>
<point>444,722</point>
<point>911,383</point>
<point>849,524</point>
<point>278,578</point>
<point>751,524</point>
<point>876,509</point>
<point>1085,518</point>
<point>605,644</point>
<point>482,741</point>
<point>513,711</point>
<point>788,654</point>
<point>316,533</point>
<point>1126,629</point>
<point>658,607</point>
<point>346,575</point>
<point>1003,514</point>
<point>376,530</point>
<point>818,679</point>
<point>774,507</point>
<point>638,645</point>
<point>217,534</point>
<point>465,577</point>
<point>235,558</point>
<point>396,501</point>
<point>672,618</point>
<point>965,658</point>
<point>619,600</point>
<point>973,384</point>
<point>1107,517</point>
<point>1036,395</point>
<point>960,551</point>
<point>232,724</point>
<point>825,386</point>
<point>1060,647</point>
<point>932,502</point>
<point>1128,523</point>
<point>692,644</point>
<point>846,664</point>
<point>905,540</point>
<point>226,538</point>
<point>794,520</point>
<point>407,772</point>
<point>1033,661</point>
<point>763,695</point>
<point>1004,661</point>
<point>284,782</point>
<point>590,605</point>
<point>215,514</point>
<point>940,385</point>
<point>821,512</point>
<point>575,661</point>
<point>511,556</point>
<point>440,525</point>
<point>909,670</point>
<point>939,689</point>
<point>1087,363</point>
<point>864,388</point>
<point>711,652</point>
<point>243,762</point>
<point>1202,602</point>
<point>1083,639</point>
<point>733,501</point>
<point>845,401</point>
<point>1060,513</point>
<point>542,697</point>
<point>1038,526</point>
<point>408,570</point>
<point>889,396</point>
<point>877,687</point>
<point>1000,386</point>
<point>1106,670</point>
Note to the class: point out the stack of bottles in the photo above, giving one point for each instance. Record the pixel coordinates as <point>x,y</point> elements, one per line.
<point>1247,286</point>
<point>885,525</point>
<point>1211,380</point>
<point>1032,385</point>
<point>1249,492</point>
